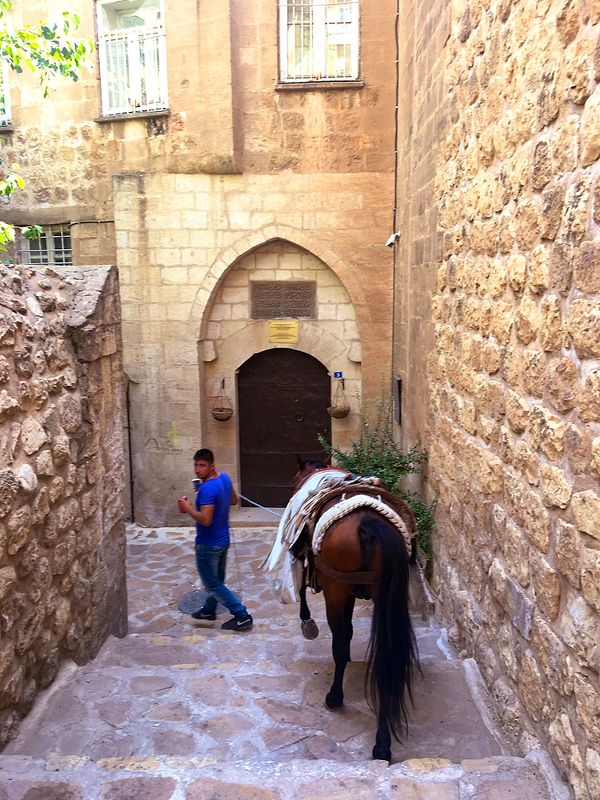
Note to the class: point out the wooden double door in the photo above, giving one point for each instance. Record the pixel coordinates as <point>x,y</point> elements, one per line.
<point>283,397</point>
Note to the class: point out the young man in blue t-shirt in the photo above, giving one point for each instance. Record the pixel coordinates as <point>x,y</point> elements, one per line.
<point>214,497</point>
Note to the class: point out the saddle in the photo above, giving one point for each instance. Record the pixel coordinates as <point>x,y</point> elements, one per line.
<point>327,501</point>
<point>398,505</point>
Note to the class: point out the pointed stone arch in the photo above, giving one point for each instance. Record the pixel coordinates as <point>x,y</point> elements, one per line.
<point>229,256</point>
<point>231,335</point>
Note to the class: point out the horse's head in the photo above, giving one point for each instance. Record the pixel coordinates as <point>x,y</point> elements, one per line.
<point>306,468</point>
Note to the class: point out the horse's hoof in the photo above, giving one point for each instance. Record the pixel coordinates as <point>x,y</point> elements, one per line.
<point>332,701</point>
<point>310,629</point>
<point>382,755</point>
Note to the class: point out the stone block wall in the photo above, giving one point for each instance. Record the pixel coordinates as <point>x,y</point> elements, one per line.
<point>180,237</point>
<point>178,198</point>
<point>226,115</point>
<point>514,377</point>
<point>62,537</point>
<point>423,33</point>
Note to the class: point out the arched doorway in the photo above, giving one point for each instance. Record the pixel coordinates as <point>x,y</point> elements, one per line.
<point>283,397</point>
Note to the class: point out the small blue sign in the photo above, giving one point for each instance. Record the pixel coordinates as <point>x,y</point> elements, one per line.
<point>338,374</point>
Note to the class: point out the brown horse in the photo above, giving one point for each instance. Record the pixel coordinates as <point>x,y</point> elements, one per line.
<point>363,555</point>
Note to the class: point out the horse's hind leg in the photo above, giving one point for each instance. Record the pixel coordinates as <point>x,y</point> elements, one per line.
<point>307,623</point>
<point>338,600</point>
<point>383,740</point>
<point>349,611</point>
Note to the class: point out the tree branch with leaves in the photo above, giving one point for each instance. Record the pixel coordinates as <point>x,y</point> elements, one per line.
<point>49,50</point>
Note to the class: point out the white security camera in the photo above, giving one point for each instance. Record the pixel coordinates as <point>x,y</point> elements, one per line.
<point>393,239</point>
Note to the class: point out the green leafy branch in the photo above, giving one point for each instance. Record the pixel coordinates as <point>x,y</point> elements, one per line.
<point>50,50</point>
<point>9,184</point>
<point>47,48</point>
<point>7,235</point>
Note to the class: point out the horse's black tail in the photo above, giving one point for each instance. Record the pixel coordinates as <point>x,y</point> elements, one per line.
<point>392,652</point>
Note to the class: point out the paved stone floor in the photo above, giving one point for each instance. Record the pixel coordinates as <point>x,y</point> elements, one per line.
<point>178,698</point>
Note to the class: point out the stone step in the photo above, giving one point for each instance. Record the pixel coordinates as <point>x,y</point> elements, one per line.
<point>179,710</point>
<point>198,778</point>
<point>252,517</point>
<point>235,696</point>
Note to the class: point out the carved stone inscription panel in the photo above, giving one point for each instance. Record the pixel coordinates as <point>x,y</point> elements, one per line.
<point>276,299</point>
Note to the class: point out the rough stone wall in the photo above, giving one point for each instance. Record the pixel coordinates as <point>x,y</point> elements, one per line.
<point>62,555</point>
<point>515,375</point>
<point>225,114</point>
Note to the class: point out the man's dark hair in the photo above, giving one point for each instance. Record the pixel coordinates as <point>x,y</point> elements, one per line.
<point>204,454</point>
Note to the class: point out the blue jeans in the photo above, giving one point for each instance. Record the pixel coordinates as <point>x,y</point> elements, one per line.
<point>211,562</point>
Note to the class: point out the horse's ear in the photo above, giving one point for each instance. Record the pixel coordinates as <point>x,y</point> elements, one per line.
<point>327,461</point>
<point>300,462</point>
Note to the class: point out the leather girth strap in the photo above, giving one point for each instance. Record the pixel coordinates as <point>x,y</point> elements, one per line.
<point>358,578</point>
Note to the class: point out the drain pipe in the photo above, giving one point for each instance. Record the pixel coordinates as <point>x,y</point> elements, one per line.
<point>395,234</point>
<point>128,415</point>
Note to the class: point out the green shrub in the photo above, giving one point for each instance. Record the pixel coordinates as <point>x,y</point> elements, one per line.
<point>376,453</point>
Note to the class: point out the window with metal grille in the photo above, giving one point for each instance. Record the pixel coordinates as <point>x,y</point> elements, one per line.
<point>5,113</point>
<point>52,247</point>
<point>132,54</point>
<point>318,40</point>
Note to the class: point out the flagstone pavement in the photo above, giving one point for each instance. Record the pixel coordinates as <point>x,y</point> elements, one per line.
<point>180,703</point>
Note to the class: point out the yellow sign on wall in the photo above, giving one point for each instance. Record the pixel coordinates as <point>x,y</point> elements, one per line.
<point>283,331</point>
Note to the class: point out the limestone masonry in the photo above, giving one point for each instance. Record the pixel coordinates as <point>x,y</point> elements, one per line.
<point>178,198</point>
<point>513,372</point>
<point>62,571</point>
<point>475,140</point>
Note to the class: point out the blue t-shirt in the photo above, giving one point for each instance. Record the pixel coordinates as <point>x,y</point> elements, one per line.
<point>215,492</point>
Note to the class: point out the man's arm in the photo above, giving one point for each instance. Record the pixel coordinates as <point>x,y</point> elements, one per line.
<point>234,497</point>
<point>204,516</point>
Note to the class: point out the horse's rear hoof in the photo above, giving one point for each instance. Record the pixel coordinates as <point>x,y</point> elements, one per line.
<point>309,628</point>
<point>382,755</point>
<point>332,701</point>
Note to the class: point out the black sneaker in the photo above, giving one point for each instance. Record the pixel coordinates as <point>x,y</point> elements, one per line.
<point>204,613</point>
<point>241,623</point>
